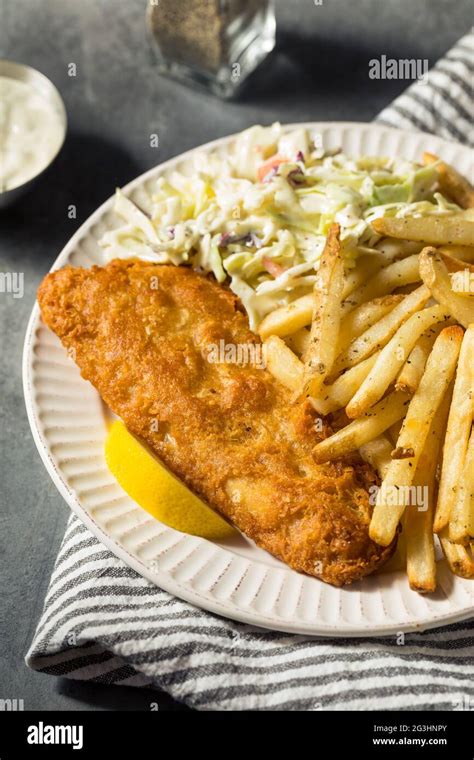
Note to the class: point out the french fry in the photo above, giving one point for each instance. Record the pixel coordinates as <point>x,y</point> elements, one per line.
<point>287,319</point>
<point>461,275</point>
<point>362,430</point>
<point>394,433</point>
<point>462,252</point>
<point>421,564</point>
<point>442,229</point>
<point>282,363</point>
<point>457,432</point>
<point>377,454</point>
<point>393,249</point>
<point>298,340</point>
<point>392,358</point>
<point>335,396</point>
<point>380,333</point>
<point>404,290</point>
<point>436,277</point>
<point>392,496</point>
<point>461,521</point>
<point>403,272</point>
<point>321,350</point>
<point>451,183</point>
<point>457,556</point>
<point>364,316</point>
<point>412,371</point>
<point>398,560</point>
<point>367,265</point>
<point>454,264</point>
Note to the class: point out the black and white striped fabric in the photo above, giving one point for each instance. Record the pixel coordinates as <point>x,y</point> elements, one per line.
<point>444,104</point>
<point>103,622</point>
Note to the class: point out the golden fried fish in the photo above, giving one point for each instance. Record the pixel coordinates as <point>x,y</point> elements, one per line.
<point>170,351</point>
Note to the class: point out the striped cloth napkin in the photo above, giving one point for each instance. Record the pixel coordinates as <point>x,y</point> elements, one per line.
<point>103,622</point>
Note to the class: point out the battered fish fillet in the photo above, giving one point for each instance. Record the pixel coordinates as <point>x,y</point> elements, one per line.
<point>148,337</point>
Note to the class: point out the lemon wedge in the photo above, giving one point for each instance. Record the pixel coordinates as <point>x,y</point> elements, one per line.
<point>157,490</point>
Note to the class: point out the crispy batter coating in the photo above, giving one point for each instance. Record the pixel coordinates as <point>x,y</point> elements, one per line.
<point>146,337</point>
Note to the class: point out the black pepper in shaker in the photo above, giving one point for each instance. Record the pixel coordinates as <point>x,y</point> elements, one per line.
<point>213,43</point>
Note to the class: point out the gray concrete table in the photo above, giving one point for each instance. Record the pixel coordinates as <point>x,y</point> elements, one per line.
<point>114,103</point>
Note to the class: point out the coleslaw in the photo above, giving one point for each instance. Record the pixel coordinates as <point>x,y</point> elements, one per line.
<point>257,217</point>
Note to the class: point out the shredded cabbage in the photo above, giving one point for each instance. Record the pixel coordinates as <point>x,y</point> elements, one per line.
<point>258,215</point>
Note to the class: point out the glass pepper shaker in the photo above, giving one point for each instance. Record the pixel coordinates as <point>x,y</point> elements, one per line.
<point>212,43</point>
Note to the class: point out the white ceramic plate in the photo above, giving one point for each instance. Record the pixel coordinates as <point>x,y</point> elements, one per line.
<point>236,580</point>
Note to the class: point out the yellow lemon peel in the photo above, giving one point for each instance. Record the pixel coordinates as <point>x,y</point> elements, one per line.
<point>157,490</point>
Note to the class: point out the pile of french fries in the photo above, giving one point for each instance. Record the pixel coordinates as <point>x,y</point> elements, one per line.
<point>389,348</point>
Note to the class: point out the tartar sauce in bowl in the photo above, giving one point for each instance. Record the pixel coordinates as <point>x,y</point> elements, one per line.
<point>32,125</point>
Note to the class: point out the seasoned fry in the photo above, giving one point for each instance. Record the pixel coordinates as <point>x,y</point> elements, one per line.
<point>392,496</point>
<point>403,272</point>
<point>401,452</point>
<point>421,564</point>
<point>298,340</point>
<point>335,396</point>
<point>367,265</point>
<point>454,264</point>
<point>398,560</point>
<point>391,359</point>
<point>461,275</point>
<point>379,334</point>
<point>377,454</point>
<point>394,432</point>
<point>457,433</point>
<point>412,371</point>
<point>362,430</point>
<point>287,319</point>
<point>364,316</point>
<point>461,521</point>
<point>282,363</point>
<point>405,289</point>
<point>457,556</point>
<point>436,277</point>
<point>394,249</point>
<point>445,229</point>
<point>321,350</point>
<point>451,183</point>
<point>462,252</point>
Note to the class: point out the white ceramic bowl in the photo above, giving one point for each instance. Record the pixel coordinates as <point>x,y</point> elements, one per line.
<point>44,87</point>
